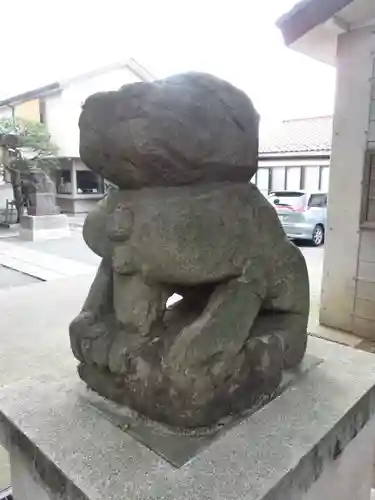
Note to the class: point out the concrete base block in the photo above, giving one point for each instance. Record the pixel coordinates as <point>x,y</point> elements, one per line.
<point>44,227</point>
<point>314,441</point>
<point>24,485</point>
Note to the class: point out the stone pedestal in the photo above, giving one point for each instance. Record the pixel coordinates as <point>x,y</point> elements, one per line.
<point>43,204</point>
<point>314,441</point>
<point>43,227</point>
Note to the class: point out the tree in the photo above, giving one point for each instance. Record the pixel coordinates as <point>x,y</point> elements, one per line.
<point>35,149</point>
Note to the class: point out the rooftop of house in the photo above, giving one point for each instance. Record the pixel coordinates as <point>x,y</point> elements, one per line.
<point>29,95</point>
<point>313,27</point>
<point>305,15</point>
<point>302,135</point>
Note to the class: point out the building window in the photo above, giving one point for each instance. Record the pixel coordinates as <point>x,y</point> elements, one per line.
<point>293,178</point>
<point>368,194</point>
<point>324,178</point>
<point>278,178</point>
<point>64,184</point>
<point>311,178</point>
<point>263,180</point>
<point>89,183</point>
<point>318,200</point>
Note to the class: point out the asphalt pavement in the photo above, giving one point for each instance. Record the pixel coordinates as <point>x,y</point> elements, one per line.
<point>314,260</point>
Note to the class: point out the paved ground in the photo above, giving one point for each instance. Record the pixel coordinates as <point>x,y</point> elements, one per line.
<point>314,259</point>
<point>34,338</point>
<point>73,248</point>
<point>10,278</point>
<point>47,260</point>
<point>22,261</point>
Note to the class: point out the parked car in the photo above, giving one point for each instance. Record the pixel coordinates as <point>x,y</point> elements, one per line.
<point>302,214</point>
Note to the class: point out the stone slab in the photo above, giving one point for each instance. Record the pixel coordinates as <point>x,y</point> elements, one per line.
<point>277,453</point>
<point>28,268</point>
<point>5,479</point>
<point>32,222</point>
<point>42,227</point>
<point>41,265</point>
<point>10,278</point>
<point>178,447</point>
<point>34,322</point>
<point>349,476</point>
<point>43,234</point>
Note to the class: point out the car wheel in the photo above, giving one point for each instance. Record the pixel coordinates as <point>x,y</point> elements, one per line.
<point>318,235</point>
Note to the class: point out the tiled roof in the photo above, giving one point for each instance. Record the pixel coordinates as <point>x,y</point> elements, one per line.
<point>298,135</point>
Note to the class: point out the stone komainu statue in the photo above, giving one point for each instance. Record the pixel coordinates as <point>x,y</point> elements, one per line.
<point>185,220</point>
<point>39,192</point>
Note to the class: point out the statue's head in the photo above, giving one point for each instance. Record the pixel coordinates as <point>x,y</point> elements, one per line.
<point>187,129</point>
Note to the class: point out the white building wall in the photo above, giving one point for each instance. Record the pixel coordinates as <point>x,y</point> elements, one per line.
<point>339,308</point>
<point>54,118</point>
<point>5,112</point>
<point>63,109</point>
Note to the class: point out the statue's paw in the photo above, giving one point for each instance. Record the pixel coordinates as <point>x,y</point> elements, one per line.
<point>192,368</point>
<point>187,351</point>
<point>90,339</point>
<point>265,356</point>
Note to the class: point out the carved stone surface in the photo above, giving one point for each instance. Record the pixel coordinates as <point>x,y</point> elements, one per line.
<point>187,226</point>
<point>186,129</point>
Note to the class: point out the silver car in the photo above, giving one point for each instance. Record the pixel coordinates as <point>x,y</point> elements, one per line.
<point>302,214</point>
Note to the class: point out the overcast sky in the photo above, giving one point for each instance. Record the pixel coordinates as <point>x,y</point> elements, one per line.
<point>45,40</point>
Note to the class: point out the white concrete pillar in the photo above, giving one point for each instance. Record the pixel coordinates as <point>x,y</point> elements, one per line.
<point>73,173</point>
<point>351,119</point>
